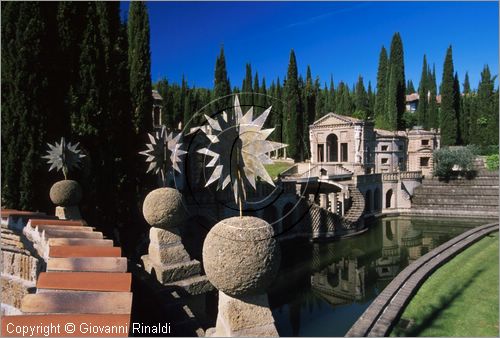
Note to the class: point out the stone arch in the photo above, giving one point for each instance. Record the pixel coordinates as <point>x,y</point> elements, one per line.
<point>388,199</point>
<point>332,148</point>
<point>376,199</point>
<point>368,201</point>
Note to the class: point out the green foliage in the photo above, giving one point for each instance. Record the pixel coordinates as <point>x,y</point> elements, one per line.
<point>448,113</point>
<point>139,61</point>
<point>222,88</point>
<point>361,102</point>
<point>380,99</point>
<point>492,162</point>
<point>445,159</point>
<point>293,110</point>
<point>395,96</point>
<point>423,88</point>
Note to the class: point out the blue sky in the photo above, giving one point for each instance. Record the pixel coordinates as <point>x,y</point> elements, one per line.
<point>338,38</point>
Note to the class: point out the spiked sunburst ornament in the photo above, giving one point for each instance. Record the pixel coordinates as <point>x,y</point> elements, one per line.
<point>239,150</point>
<point>64,156</point>
<point>163,153</point>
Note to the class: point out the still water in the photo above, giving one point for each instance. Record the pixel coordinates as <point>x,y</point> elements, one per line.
<point>323,288</point>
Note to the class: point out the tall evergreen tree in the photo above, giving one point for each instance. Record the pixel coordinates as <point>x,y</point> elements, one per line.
<point>293,106</point>
<point>433,111</point>
<point>361,100</point>
<point>222,87</point>
<point>395,99</point>
<point>139,60</point>
<point>410,88</point>
<point>247,87</point>
<point>423,102</point>
<point>486,119</point>
<point>371,100</point>
<point>380,99</point>
<point>256,90</point>
<point>309,106</point>
<point>456,92</point>
<point>465,110</point>
<point>448,114</point>
<point>319,106</point>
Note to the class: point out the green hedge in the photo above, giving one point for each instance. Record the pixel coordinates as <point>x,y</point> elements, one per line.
<point>492,162</point>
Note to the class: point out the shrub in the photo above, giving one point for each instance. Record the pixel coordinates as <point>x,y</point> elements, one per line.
<point>446,159</point>
<point>492,162</point>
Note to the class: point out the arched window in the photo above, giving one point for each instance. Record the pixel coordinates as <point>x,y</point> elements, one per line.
<point>388,198</point>
<point>332,148</point>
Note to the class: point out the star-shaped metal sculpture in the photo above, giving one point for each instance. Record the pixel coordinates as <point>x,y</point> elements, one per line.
<point>63,156</point>
<point>163,153</point>
<point>239,149</point>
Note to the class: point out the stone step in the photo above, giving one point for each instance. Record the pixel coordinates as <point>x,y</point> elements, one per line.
<point>84,251</point>
<point>80,241</point>
<point>118,321</point>
<point>19,213</point>
<point>171,272</point>
<point>457,207</point>
<point>485,192</point>
<point>72,234</point>
<point>38,221</point>
<point>90,264</point>
<point>475,182</point>
<point>417,200</point>
<point>78,302</point>
<point>64,227</point>
<point>85,281</point>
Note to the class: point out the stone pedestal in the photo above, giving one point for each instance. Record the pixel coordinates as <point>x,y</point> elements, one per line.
<point>72,212</point>
<point>244,316</point>
<point>171,264</point>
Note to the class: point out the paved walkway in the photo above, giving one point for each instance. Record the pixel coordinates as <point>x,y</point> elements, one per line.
<point>379,318</point>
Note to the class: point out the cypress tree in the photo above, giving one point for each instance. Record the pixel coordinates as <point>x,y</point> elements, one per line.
<point>255,95</point>
<point>486,132</point>
<point>396,104</point>
<point>465,110</point>
<point>247,87</point>
<point>433,111</point>
<point>380,98</point>
<point>448,114</point>
<point>456,92</point>
<point>222,88</point>
<point>309,106</point>
<point>293,104</point>
<point>410,89</point>
<point>371,100</point>
<point>139,60</point>
<point>361,100</point>
<point>27,102</point>
<point>319,106</point>
<point>423,102</point>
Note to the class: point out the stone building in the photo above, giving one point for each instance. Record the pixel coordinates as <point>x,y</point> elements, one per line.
<point>342,143</point>
<point>157,108</point>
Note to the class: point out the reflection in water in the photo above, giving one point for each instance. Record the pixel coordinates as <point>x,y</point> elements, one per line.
<point>323,288</point>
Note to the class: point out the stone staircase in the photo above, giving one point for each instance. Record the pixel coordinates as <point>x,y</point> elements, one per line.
<point>477,197</point>
<point>353,215</point>
<point>85,282</point>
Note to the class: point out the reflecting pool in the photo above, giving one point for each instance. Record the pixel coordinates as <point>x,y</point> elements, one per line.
<point>323,288</point>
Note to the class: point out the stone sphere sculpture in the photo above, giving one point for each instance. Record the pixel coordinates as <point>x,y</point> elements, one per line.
<point>66,193</point>
<point>241,256</point>
<point>163,208</point>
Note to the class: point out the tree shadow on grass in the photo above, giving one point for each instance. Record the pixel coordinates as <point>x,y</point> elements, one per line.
<point>444,302</point>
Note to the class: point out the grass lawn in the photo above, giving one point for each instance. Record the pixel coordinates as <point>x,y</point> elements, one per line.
<point>459,299</point>
<point>277,167</point>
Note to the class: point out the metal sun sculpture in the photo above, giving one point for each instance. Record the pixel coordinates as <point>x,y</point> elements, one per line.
<point>64,156</point>
<point>163,153</point>
<point>239,150</point>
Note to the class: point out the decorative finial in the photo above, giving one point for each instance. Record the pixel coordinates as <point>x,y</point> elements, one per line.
<point>64,156</point>
<point>163,153</point>
<point>239,150</point>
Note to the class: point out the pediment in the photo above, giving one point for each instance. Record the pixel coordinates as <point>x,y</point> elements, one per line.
<point>332,119</point>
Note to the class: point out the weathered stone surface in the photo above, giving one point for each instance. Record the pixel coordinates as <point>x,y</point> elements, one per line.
<point>195,285</point>
<point>247,316</point>
<point>157,235</point>
<point>66,193</point>
<point>173,272</point>
<point>168,253</point>
<point>163,208</point>
<point>71,212</point>
<point>240,256</point>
